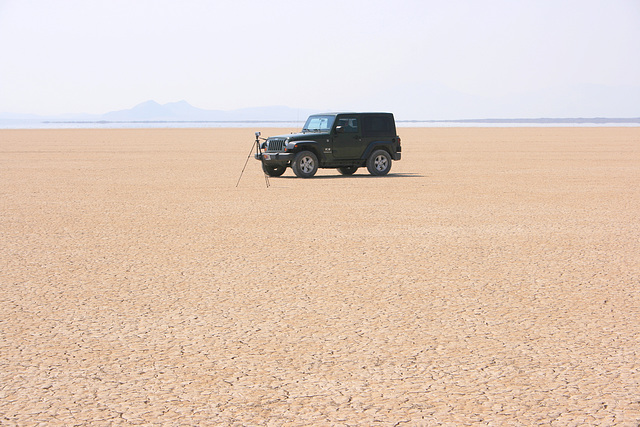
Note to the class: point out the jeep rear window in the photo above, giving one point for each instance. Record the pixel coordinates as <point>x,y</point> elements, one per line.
<point>378,126</point>
<point>318,123</point>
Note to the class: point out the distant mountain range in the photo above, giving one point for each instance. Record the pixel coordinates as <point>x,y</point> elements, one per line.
<point>181,111</point>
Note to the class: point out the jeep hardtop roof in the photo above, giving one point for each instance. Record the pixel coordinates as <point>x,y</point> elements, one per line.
<point>349,112</point>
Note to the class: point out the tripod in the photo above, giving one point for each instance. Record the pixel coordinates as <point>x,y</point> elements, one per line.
<point>258,156</point>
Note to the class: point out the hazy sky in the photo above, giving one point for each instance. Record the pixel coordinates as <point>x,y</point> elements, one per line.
<point>420,59</point>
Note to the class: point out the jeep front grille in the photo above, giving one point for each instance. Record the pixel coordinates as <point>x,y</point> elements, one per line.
<point>276,144</point>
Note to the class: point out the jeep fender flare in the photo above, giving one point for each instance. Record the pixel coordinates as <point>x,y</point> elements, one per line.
<point>304,145</point>
<point>376,145</point>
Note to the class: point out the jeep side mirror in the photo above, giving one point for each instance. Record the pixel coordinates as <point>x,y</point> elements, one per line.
<point>339,129</point>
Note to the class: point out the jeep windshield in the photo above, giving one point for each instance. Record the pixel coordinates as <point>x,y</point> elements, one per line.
<point>318,124</point>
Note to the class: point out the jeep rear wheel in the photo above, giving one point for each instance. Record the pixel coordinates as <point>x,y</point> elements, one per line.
<point>273,170</point>
<point>379,163</point>
<point>348,170</point>
<point>305,164</point>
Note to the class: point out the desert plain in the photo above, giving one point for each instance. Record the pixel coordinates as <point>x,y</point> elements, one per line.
<point>492,278</point>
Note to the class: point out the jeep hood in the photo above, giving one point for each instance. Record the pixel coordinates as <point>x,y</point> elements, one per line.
<point>299,135</point>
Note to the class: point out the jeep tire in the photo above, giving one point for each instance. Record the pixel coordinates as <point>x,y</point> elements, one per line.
<point>305,164</point>
<point>273,170</point>
<point>379,163</point>
<point>348,170</point>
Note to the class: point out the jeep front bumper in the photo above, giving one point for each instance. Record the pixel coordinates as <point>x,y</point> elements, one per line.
<point>274,157</point>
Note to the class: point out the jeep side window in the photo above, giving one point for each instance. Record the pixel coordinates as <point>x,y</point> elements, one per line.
<point>349,125</point>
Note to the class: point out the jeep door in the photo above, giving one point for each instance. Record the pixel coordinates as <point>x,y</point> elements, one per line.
<point>347,137</point>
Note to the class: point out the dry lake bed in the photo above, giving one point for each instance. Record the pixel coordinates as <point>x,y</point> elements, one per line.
<point>493,277</point>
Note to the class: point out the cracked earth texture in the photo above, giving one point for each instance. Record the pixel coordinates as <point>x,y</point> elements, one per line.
<point>492,278</point>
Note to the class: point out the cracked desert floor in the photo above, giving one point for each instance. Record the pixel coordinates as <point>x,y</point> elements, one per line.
<point>493,277</point>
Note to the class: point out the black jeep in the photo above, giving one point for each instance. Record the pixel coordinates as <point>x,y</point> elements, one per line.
<point>345,141</point>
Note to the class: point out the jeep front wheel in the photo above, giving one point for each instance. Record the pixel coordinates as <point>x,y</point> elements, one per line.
<point>379,163</point>
<point>305,164</point>
<point>273,170</point>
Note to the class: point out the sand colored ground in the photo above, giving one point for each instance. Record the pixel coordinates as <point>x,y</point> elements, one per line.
<point>492,278</point>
